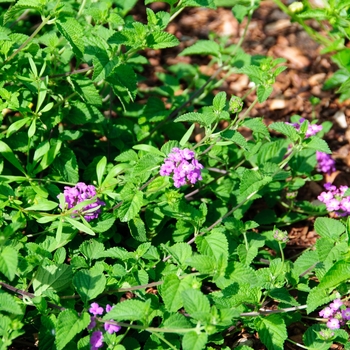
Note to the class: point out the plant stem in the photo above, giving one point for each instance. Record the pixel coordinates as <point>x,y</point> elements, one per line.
<point>164,340</point>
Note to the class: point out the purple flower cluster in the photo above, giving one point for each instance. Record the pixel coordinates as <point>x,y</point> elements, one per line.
<point>96,339</point>
<point>312,129</point>
<point>335,314</point>
<point>326,164</point>
<point>183,165</point>
<point>335,200</point>
<point>79,193</point>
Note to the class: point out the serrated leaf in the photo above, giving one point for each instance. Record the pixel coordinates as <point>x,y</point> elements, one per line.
<point>52,277</point>
<point>131,206</point>
<point>219,101</point>
<point>195,301</point>
<point>316,298</point>
<point>338,273</point>
<point>146,163</point>
<point>285,129</point>
<point>282,295</point>
<point>312,340</point>
<point>257,126</point>
<point>177,320</point>
<point>201,3</point>
<point>89,283</point>
<point>254,73</point>
<point>272,331</point>
<point>314,142</point>
<point>82,113</point>
<point>263,92</point>
<point>149,149</point>
<point>305,262</point>
<point>87,90</point>
<point>8,262</point>
<point>137,229</point>
<point>205,264</point>
<point>171,292</point>
<point>128,310</point>
<point>8,304</point>
<point>214,244</point>
<point>202,47</point>
<point>71,29</point>
<point>92,249</point>
<point>235,137</point>
<point>194,341</point>
<point>68,325</point>
<point>192,117</point>
<point>329,228</point>
<point>66,165</point>
<point>21,5</point>
<point>161,40</point>
<point>180,252</point>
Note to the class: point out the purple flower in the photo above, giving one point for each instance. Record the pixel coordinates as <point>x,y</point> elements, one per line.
<point>96,309</point>
<point>183,166</point>
<point>80,193</point>
<point>92,323</point>
<point>326,163</point>
<point>312,129</point>
<point>108,308</point>
<point>326,312</point>
<point>334,199</point>
<point>111,328</point>
<point>336,304</point>
<point>96,340</point>
<point>346,314</point>
<point>333,323</point>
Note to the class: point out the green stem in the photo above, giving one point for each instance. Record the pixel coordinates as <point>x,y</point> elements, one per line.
<point>164,340</point>
<point>36,31</point>
<point>81,8</point>
<point>281,250</point>
<point>297,344</point>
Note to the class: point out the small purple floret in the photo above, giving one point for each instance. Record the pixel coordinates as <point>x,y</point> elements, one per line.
<point>183,166</point>
<point>96,340</point>
<point>334,199</point>
<point>326,163</point>
<point>96,309</point>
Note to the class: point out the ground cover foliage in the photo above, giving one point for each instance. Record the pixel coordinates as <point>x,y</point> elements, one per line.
<point>129,215</point>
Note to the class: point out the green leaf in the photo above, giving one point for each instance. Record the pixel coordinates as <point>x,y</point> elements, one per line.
<point>92,249</point>
<point>192,117</point>
<point>282,295</point>
<point>149,149</point>
<point>17,125</point>
<point>161,40</point>
<point>317,144</point>
<point>20,6</point>
<point>219,101</point>
<point>205,264</point>
<point>137,229</point>
<point>66,165</point>
<point>199,3</point>
<point>49,156</point>
<point>312,340</point>
<point>257,126</point>
<point>187,135</point>
<point>316,298</point>
<point>8,304</point>
<point>71,29</point>
<point>338,273</point>
<point>100,169</point>
<point>80,226</point>
<point>285,129</point>
<point>171,292</point>
<point>272,331</point>
<point>263,92</point>
<point>180,252</point>
<point>214,244</point>
<point>7,153</point>
<point>52,277</point>
<point>202,47</point>
<point>89,283</point>
<point>176,320</point>
<point>194,341</point>
<point>131,206</point>
<point>87,90</point>
<point>44,205</point>
<point>8,262</point>
<point>195,301</point>
<point>240,11</point>
<point>129,310</point>
<point>329,228</point>
<point>68,325</point>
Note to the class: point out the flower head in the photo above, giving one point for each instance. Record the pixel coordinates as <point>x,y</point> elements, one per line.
<point>346,314</point>
<point>336,304</point>
<point>82,192</point>
<point>96,309</point>
<point>326,163</point>
<point>96,340</point>
<point>312,129</point>
<point>183,166</point>
<point>334,199</point>
<point>333,323</point>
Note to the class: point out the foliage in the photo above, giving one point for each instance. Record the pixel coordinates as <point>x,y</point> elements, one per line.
<point>182,266</point>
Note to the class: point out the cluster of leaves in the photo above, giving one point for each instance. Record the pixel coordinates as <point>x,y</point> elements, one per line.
<point>196,264</point>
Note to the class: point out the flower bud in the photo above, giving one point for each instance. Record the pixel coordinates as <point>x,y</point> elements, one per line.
<point>296,7</point>
<point>235,104</point>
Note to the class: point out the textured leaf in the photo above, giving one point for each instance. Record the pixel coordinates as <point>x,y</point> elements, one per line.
<point>214,244</point>
<point>128,310</point>
<point>195,301</point>
<point>92,249</point>
<point>202,47</point>
<point>177,320</point>
<point>282,295</point>
<point>8,304</point>
<point>263,92</point>
<point>171,292</point>
<point>21,5</point>
<point>52,277</point>
<point>147,163</point>
<point>194,341</point>
<point>137,229</point>
<point>82,113</point>
<point>305,262</point>
<point>87,90</point>
<point>131,206</point>
<point>312,340</point>
<point>317,144</point>
<point>338,273</point>
<point>8,262</point>
<point>272,331</point>
<point>89,283</point>
<point>66,165</point>
<point>257,126</point>
<point>192,117</point>
<point>180,252</point>
<point>285,129</point>
<point>68,325</point>
<point>71,29</point>
<point>235,137</point>
<point>316,298</point>
<point>329,228</point>
<point>161,40</point>
<point>199,3</point>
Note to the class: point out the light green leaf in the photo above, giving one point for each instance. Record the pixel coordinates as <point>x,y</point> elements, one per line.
<point>89,283</point>
<point>263,92</point>
<point>285,129</point>
<point>180,252</point>
<point>7,153</point>
<point>192,117</point>
<point>100,169</point>
<point>205,264</point>
<point>195,301</point>
<point>187,135</point>
<point>68,325</point>
<point>87,90</point>
<point>8,262</point>
<point>80,226</point>
<point>317,144</point>
<point>8,304</point>
<point>149,149</point>
<point>131,206</point>
<point>71,29</point>
<point>129,310</point>
<point>161,40</point>
<point>52,277</point>
<point>329,228</point>
<point>219,101</point>
<point>66,165</point>
<point>20,6</point>
<point>194,341</point>
<point>92,249</point>
<point>16,126</point>
<point>202,47</point>
<point>213,244</point>
<point>44,205</point>
<point>272,331</point>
